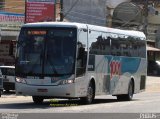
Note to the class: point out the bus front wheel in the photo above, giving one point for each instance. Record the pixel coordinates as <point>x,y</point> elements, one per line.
<point>90,95</point>
<point>37,99</point>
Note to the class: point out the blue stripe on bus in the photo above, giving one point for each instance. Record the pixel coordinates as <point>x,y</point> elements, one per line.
<point>128,64</point>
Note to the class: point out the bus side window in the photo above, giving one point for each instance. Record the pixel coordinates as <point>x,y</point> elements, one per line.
<point>81,60</point>
<point>81,54</point>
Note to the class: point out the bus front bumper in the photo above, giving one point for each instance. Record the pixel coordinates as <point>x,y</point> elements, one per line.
<point>61,91</point>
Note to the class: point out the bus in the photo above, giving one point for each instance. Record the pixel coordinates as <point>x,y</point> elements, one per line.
<point>79,61</point>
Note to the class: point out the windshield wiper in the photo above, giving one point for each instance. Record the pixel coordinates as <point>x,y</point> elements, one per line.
<point>24,62</point>
<point>58,75</point>
<point>53,67</point>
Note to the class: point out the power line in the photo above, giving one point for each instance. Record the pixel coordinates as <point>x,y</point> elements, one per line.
<point>84,20</point>
<point>74,4</point>
<point>100,18</point>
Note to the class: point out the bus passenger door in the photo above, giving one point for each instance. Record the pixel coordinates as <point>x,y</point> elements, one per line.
<point>81,62</point>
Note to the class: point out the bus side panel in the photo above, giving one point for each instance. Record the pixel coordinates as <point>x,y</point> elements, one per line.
<point>81,86</point>
<point>140,80</point>
<point>122,70</point>
<point>113,74</point>
<point>102,77</point>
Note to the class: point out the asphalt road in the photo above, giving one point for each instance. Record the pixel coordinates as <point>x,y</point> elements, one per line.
<point>145,102</point>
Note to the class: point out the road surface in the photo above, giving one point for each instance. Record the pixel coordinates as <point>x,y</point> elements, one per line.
<point>145,102</point>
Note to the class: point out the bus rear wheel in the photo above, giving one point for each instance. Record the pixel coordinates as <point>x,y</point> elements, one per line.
<point>90,95</point>
<point>37,99</point>
<point>129,96</point>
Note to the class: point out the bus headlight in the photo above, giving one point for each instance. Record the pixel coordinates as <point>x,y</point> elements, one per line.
<point>20,80</point>
<point>69,81</point>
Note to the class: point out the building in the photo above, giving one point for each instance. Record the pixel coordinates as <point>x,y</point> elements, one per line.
<point>151,25</point>
<point>9,30</point>
<point>154,25</point>
<point>153,30</point>
<point>152,14</point>
<point>14,6</point>
<point>11,19</point>
<point>111,5</point>
<point>147,22</point>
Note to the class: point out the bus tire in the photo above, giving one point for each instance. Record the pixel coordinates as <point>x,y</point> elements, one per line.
<point>37,99</point>
<point>90,95</point>
<point>129,95</point>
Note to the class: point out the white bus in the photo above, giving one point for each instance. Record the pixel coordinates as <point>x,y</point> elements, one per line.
<point>73,60</point>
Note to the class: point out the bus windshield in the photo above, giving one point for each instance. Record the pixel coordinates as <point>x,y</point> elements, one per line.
<point>7,71</point>
<point>46,52</point>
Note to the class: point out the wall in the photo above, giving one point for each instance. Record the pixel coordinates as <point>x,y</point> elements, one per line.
<point>9,30</point>
<point>15,6</point>
<point>154,26</point>
<point>154,19</point>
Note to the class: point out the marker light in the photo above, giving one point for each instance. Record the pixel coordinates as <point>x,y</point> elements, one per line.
<point>69,81</point>
<point>20,80</point>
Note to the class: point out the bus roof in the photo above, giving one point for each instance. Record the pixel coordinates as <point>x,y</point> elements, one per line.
<point>55,24</point>
<point>91,27</point>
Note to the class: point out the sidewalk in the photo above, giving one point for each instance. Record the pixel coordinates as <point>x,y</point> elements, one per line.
<point>153,84</point>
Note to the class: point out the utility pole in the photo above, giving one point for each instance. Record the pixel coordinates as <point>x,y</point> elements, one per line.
<point>146,18</point>
<point>55,10</point>
<point>61,10</point>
